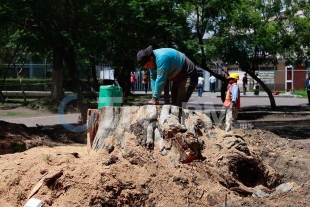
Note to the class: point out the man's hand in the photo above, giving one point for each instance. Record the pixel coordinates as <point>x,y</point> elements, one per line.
<point>153,101</point>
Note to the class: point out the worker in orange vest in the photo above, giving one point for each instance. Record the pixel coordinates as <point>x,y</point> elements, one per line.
<point>232,102</point>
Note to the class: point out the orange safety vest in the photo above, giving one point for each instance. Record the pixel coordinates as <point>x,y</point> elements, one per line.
<point>227,101</point>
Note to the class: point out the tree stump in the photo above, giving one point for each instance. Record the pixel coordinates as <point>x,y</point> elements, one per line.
<point>182,135</point>
<point>171,129</point>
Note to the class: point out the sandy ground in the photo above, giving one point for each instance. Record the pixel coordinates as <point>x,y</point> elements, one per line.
<point>142,177</point>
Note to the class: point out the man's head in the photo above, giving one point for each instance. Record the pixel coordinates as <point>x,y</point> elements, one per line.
<point>233,77</point>
<point>245,74</point>
<point>145,57</point>
<point>309,75</point>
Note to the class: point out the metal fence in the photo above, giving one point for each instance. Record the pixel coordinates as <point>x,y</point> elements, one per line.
<point>274,79</point>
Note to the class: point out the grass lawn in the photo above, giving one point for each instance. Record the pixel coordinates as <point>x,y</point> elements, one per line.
<point>301,93</point>
<point>11,113</point>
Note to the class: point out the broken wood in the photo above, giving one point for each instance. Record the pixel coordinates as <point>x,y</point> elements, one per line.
<point>37,187</point>
<point>47,179</point>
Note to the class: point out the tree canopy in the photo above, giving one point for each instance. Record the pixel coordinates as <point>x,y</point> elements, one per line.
<point>79,34</point>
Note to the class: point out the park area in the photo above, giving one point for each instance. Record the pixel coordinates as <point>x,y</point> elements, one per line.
<point>135,154</point>
<point>263,163</point>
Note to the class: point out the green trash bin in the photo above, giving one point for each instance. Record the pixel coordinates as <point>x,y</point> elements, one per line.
<point>110,96</point>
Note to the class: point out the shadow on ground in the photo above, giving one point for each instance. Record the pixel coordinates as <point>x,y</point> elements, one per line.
<point>286,129</point>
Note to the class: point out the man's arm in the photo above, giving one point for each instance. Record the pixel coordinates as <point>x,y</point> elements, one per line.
<point>159,84</point>
<point>234,93</point>
<point>153,76</point>
<point>162,70</point>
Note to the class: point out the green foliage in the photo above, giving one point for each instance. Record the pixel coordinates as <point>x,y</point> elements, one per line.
<point>301,93</point>
<point>11,113</point>
<point>28,84</point>
<point>19,147</point>
<point>85,33</point>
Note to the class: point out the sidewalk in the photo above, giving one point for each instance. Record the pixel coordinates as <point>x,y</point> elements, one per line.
<point>218,94</point>
<point>204,94</point>
<point>208,102</point>
<point>249,100</point>
<point>46,121</point>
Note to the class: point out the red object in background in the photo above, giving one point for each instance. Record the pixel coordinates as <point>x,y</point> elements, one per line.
<point>276,93</point>
<point>79,120</point>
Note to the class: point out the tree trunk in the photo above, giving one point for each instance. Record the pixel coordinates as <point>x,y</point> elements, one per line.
<point>2,97</point>
<point>121,79</point>
<point>21,82</point>
<point>95,79</point>
<point>124,76</point>
<point>69,58</point>
<point>57,92</point>
<point>94,74</point>
<point>273,105</point>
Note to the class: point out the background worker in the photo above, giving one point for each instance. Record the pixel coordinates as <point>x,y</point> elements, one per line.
<point>212,80</point>
<point>201,81</point>
<point>145,80</point>
<point>307,87</point>
<point>133,81</point>
<point>168,63</point>
<point>232,101</point>
<point>244,83</point>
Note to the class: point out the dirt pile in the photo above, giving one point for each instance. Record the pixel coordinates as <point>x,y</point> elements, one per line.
<point>18,137</point>
<point>152,156</point>
<point>234,167</point>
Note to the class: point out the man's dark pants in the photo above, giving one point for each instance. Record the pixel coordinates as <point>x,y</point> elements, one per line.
<point>212,87</point>
<point>182,89</point>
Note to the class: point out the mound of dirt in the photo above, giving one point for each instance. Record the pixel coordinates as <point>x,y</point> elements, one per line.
<point>18,137</point>
<point>144,178</point>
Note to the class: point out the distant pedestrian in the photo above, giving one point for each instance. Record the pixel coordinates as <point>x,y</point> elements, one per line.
<point>307,87</point>
<point>133,81</point>
<point>232,102</point>
<point>212,80</point>
<point>201,81</point>
<point>244,83</point>
<point>146,80</point>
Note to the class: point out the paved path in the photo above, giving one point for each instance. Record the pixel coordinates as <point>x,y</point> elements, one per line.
<point>44,120</point>
<point>209,101</point>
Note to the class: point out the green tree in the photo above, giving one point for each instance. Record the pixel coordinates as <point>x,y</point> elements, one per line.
<point>296,45</point>
<point>249,35</point>
<point>142,23</point>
